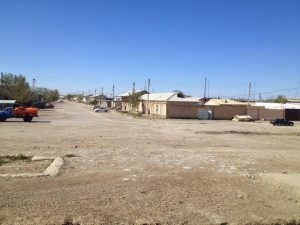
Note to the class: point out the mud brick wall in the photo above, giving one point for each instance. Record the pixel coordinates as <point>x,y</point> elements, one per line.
<point>182,110</point>
<point>228,112</point>
<point>267,114</point>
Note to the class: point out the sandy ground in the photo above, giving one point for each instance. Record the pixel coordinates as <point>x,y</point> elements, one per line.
<point>151,171</point>
<point>25,166</point>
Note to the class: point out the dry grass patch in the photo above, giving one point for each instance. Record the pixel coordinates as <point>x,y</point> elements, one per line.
<point>70,155</point>
<point>11,158</point>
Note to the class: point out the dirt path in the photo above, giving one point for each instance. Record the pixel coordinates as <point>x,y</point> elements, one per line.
<point>150,171</point>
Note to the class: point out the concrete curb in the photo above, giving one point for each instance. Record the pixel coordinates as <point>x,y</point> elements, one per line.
<point>54,167</point>
<point>51,170</point>
<point>40,158</point>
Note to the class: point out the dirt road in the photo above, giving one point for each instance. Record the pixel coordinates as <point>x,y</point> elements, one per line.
<point>151,171</point>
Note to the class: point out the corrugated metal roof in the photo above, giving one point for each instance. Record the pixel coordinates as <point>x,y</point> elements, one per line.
<point>7,101</point>
<point>158,96</point>
<point>125,94</point>
<point>269,105</point>
<point>216,101</point>
<point>129,93</point>
<point>170,97</point>
<point>185,99</point>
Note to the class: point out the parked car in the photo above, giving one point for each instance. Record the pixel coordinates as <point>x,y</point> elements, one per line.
<point>101,109</point>
<point>40,105</point>
<point>49,106</point>
<point>44,105</point>
<point>282,122</point>
<point>96,107</point>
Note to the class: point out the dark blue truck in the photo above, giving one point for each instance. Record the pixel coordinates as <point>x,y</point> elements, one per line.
<point>6,113</point>
<point>8,109</point>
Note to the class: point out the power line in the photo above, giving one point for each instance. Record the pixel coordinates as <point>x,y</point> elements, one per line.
<point>289,89</point>
<point>296,94</point>
<point>261,93</point>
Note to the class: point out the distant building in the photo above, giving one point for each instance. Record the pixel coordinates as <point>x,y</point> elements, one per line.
<point>86,99</point>
<point>101,100</point>
<point>122,100</point>
<point>169,105</point>
<point>271,111</point>
<point>224,109</point>
<point>177,105</point>
<point>293,100</point>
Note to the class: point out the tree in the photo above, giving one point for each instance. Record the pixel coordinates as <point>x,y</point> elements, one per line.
<point>46,95</point>
<point>79,98</point>
<point>15,87</point>
<point>280,99</point>
<point>133,101</point>
<point>70,96</point>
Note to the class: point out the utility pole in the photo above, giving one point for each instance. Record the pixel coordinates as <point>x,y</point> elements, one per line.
<point>33,84</point>
<point>1,79</point>
<point>95,92</point>
<point>148,110</point>
<point>260,98</point>
<point>33,89</point>
<point>297,90</point>
<point>208,89</point>
<point>254,89</point>
<point>102,90</point>
<point>133,87</point>
<point>89,91</point>
<point>205,88</point>
<point>249,95</point>
<point>1,85</point>
<point>113,89</point>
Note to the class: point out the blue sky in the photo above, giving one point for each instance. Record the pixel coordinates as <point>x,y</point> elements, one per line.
<point>77,45</point>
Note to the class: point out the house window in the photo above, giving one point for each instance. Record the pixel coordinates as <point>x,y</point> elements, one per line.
<point>156,109</point>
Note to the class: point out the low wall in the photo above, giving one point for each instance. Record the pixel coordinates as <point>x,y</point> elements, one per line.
<point>265,114</point>
<point>182,110</point>
<point>228,112</point>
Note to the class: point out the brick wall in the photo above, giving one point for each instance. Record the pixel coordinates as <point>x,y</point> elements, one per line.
<point>228,112</point>
<point>267,114</point>
<point>182,110</point>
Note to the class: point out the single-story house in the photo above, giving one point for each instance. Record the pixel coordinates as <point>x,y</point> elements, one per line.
<point>124,97</point>
<point>223,109</point>
<point>169,105</point>
<point>87,99</point>
<point>101,100</point>
<point>117,103</point>
<point>271,111</point>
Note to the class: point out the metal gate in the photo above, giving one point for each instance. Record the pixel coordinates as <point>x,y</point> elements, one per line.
<point>292,114</point>
<point>204,114</point>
